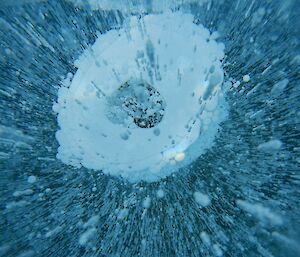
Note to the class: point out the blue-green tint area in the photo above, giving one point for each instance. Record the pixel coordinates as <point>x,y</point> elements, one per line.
<point>240,198</point>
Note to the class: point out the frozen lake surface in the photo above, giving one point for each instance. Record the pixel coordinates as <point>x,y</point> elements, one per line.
<point>149,128</point>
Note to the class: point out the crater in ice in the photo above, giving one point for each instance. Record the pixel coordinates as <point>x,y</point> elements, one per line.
<point>146,100</point>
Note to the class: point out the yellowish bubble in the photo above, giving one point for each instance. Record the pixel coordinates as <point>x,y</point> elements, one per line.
<point>179,156</point>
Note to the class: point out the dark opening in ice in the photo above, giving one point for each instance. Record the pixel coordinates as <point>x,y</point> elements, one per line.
<point>138,102</point>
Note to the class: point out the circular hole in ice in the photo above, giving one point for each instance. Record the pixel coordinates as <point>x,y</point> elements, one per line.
<point>146,100</point>
<point>136,101</point>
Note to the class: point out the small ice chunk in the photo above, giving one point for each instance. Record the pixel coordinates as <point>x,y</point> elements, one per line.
<point>160,193</point>
<point>84,238</point>
<point>279,87</point>
<point>31,179</point>
<point>7,51</point>
<point>122,214</point>
<point>270,146</point>
<point>236,84</point>
<point>147,202</point>
<point>246,78</point>
<point>202,199</point>
<point>92,222</point>
<point>23,192</point>
<point>296,59</point>
<point>218,251</point>
<point>260,212</point>
<point>17,204</point>
<point>205,238</point>
<point>53,232</point>
<point>143,242</point>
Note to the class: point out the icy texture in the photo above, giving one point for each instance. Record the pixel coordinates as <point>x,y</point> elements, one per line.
<point>254,191</point>
<point>134,6</point>
<point>147,101</point>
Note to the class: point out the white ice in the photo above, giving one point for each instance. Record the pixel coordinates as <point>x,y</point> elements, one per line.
<point>172,54</point>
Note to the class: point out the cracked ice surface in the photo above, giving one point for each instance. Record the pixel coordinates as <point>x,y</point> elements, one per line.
<point>240,197</point>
